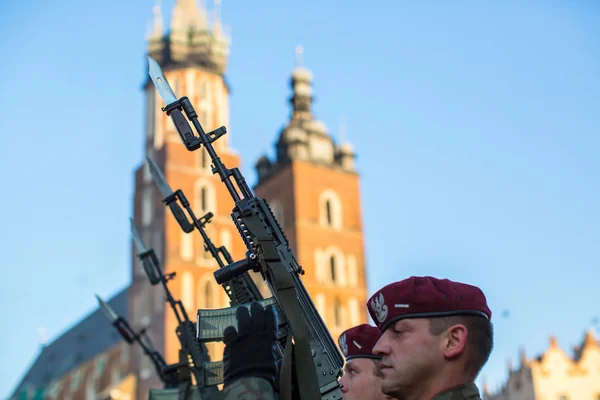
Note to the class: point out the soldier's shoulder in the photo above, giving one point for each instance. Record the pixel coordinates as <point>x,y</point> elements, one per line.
<point>461,392</point>
<point>249,389</point>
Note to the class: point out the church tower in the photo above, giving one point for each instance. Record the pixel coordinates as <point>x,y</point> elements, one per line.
<point>313,188</point>
<point>193,55</point>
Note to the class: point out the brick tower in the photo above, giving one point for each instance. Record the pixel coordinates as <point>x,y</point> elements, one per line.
<point>193,55</point>
<point>313,189</point>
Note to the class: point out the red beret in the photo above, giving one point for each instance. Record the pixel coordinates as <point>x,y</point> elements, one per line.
<point>358,342</point>
<point>426,296</point>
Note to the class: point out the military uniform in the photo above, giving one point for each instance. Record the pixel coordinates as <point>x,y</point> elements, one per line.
<point>428,297</point>
<point>461,392</point>
<point>249,389</point>
<point>241,389</point>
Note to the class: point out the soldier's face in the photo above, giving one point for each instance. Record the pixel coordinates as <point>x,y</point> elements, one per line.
<point>360,380</point>
<point>410,357</point>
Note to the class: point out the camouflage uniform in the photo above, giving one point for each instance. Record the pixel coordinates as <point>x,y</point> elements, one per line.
<point>467,391</point>
<point>248,389</point>
<point>241,389</point>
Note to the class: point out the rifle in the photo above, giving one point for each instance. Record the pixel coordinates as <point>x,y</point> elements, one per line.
<point>192,353</point>
<point>318,361</point>
<point>241,289</point>
<point>167,373</point>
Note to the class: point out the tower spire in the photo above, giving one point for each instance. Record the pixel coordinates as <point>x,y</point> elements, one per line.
<point>187,17</point>
<point>217,27</point>
<point>299,56</point>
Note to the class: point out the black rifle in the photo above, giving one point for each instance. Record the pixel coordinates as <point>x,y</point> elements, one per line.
<point>240,289</point>
<point>168,373</point>
<point>317,359</point>
<point>194,354</point>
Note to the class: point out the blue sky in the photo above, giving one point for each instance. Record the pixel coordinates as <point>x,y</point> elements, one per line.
<point>476,126</point>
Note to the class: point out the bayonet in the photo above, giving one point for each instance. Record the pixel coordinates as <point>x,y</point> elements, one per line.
<point>241,289</point>
<point>147,257</point>
<point>109,312</point>
<point>137,238</point>
<point>205,373</point>
<point>160,82</point>
<point>159,178</point>
<point>173,108</point>
<point>167,373</point>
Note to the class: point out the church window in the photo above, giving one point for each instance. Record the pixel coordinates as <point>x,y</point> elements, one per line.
<point>332,268</point>
<point>328,212</point>
<point>187,290</point>
<point>320,303</point>
<point>352,271</point>
<point>186,246</point>
<point>330,209</point>
<point>208,295</point>
<point>204,200</point>
<point>337,313</point>
<point>354,311</point>
<point>100,365</point>
<point>75,380</point>
<point>115,376</point>
<point>90,388</point>
<point>204,158</point>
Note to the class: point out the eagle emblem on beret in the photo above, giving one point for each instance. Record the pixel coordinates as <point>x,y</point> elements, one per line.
<point>379,308</point>
<point>343,344</point>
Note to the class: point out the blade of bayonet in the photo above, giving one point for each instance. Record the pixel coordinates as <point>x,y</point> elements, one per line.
<point>110,314</point>
<point>159,178</point>
<point>163,87</point>
<point>137,238</point>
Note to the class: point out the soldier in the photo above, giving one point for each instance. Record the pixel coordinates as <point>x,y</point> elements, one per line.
<point>361,379</point>
<point>437,336</point>
<point>249,366</point>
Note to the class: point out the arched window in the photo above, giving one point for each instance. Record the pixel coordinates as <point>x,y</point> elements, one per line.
<point>329,217</point>
<point>204,157</point>
<point>186,246</point>
<point>207,295</point>
<point>208,300</point>
<point>203,160</point>
<point>337,313</point>
<point>203,205</point>
<point>330,210</point>
<point>187,291</point>
<point>354,311</point>
<point>320,303</point>
<point>332,267</point>
<point>204,197</point>
<point>352,271</point>
<point>90,387</point>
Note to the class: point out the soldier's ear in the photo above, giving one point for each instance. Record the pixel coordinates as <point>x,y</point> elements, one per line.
<point>455,341</point>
